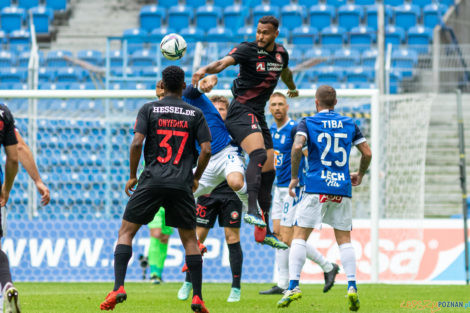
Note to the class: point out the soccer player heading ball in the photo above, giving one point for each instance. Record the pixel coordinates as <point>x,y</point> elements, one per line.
<point>262,63</point>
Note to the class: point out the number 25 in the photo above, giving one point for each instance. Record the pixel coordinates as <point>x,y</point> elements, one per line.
<point>336,148</point>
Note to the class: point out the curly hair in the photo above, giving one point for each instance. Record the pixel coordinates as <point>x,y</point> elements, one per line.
<point>173,78</point>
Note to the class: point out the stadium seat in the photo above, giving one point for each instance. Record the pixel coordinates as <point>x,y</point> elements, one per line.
<point>321,16</point>
<point>371,14</point>
<point>166,3</point>
<point>19,40</point>
<point>421,3</point>
<point>151,17</point>
<point>369,58</point>
<point>251,3</point>
<point>329,75</point>
<point>57,5</point>
<point>395,79</point>
<point>69,75</point>
<point>432,14</point>
<point>333,35</point>
<point>151,72</point>
<point>406,16</point>
<point>307,3</point>
<point>3,37</point>
<point>336,3</point>
<point>278,3</point>
<point>207,17</point>
<point>46,75</point>
<point>346,58</point>
<point>135,38</point>
<point>394,35</point>
<point>448,3</point>
<point>7,60</point>
<point>262,10</point>
<point>196,3</point>
<point>5,3</point>
<point>235,16</point>
<point>362,36</point>
<point>420,36</point>
<point>350,16</point>
<point>156,36</point>
<point>91,56</point>
<point>23,59</point>
<point>394,3</point>
<point>27,4</point>
<point>13,75</point>
<point>142,58</point>
<point>42,17</point>
<point>404,60</point>
<point>359,75</point>
<point>224,3</point>
<point>12,18</point>
<point>179,17</point>
<point>304,35</point>
<point>364,2</point>
<point>246,33</point>
<point>319,53</point>
<point>115,58</point>
<point>55,58</point>
<point>292,16</point>
<point>192,34</point>
<point>219,34</point>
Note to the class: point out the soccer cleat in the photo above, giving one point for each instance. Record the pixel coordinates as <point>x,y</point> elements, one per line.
<point>235,294</point>
<point>354,303</point>
<point>330,277</point>
<point>10,297</point>
<point>203,250</point>
<point>289,296</point>
<point>198,305</point>
<point>272,241</point>
<point>155,279</point>
<point>275,290</point>
<point>185,290</point>
<point>113,298</point>
<point>254,220</point>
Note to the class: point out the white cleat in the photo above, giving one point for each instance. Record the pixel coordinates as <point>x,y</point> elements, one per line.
<point>10,299</point>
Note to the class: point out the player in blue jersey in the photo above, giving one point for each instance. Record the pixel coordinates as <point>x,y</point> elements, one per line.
<point>283,209</point>
<point>329,137</point>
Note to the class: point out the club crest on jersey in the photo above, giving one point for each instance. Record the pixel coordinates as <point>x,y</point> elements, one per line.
<point>234,215</point>
<point>283,139</point>
<point>278,57</point>
<point>232,51</point>
<point>332,178</point>
<point>260,67</point>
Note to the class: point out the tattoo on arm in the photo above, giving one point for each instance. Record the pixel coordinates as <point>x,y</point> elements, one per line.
<point>296,155</point>
<point>364,164</point>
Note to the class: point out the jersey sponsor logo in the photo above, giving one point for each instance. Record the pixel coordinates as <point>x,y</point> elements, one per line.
<point>232,51</point>
<point>274,67</point>
<point>234,215</point>
<point>278,158</point>
<point>331,198</point>
<point>2,125</point>
<point>332,179</point>
<point>262,52</point>
<point>172,123</point>
<point>175,110</point>
<point>278,57</point>
<point>260,67</point>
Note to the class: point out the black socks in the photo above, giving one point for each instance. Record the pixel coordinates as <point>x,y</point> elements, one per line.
<point>253,178</point>
<point>194,263</point>
<point>122,255</point>
<point>236,262</point>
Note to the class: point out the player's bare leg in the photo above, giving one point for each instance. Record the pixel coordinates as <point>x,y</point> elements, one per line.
<point>348,259</point>
<point>253,144</point>
<point>236,181</point>
<point>122,255</point>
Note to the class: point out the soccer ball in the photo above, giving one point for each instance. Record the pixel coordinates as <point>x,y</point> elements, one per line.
<point>173,46</point>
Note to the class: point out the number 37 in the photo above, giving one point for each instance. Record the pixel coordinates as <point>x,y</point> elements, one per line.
<point>336,148</point>
<point>169,151</point>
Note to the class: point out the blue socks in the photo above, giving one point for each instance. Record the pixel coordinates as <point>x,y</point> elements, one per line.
<point>351,283</point>
<point>293,284</point>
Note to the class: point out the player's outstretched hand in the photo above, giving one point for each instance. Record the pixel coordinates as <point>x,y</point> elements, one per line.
<point>292,93</point>
<point>4,197</point>
<point>356,179</point>
<point>44,192</point>
<point>197,76</point>
<point>207,83</point>
<point>195,184</point>
<point>293,183</point>
<point>130,186</point>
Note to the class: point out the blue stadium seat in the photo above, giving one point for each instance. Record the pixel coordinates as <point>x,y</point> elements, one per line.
<point>359,75</point>
<point>23,59</point>
<point>82,86</point>
<point>395,80</point>
<point>224,3</point>
<point>371,13</point>
<point>362,35</point>
<point>404,60</point>
<point>307,3</point>
<point>142,58</point>
<point>196,3</point>
<point>12,18</point>
<point>69,75</point>
<point>42,17</point>
<point>5,3</point>
<point>27,4</point>
<point>394,3</point>
<point>278,3</point>
<point>406,16</point>
<point>55,58</point>
<point>336,3</point>
<point>115,58</point>
<point>151,17</point>
<point>364,2</point>
<point>219,34</point>
<point>192,34</point>
<point>421,3</point>
<point>261,10</point>
<point>57,5</point>
<point>346,58</point>
<point>350,16</point>
<point>329,75</point>
<point>432,14</point>
<point>369,58</point>
<point>420,35</point>
<point>179,17</point>
<point>207,17</point>
<point>156,36</point>
<point>394,35</point>
<point>246,33</point>
<point>46,75</point>
<point>151,71</point>
<point>91,56</point>
<point>321,16</point>
<point>136,37</point>
<point>333,35</point>
<point>13,75</point>
<point>7,59</point>
<point>20,40</point>
<point>3,37</point>
<point>292,16</point>
<point>166,3</point>
<point>304,35</point>
<point>235,16</point>
<point>251,3</point>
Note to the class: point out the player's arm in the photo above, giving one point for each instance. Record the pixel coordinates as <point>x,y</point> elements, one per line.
<point>288,79</point>
<point>366,157</point>
<point>213,68</point>
<point>202,161</point>
<point>26,159</point>
<point>11,168</point>
<point>205,85</point>
<point>296,156</point>
<point>134,159</point>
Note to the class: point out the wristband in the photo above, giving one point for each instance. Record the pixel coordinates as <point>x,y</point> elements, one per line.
<point>293,90</point>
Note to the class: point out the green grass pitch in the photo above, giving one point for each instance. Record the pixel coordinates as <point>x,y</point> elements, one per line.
<point>144,297</point>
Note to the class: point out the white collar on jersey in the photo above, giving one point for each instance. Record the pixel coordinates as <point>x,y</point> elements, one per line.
<point>287,122</point>
<point>326,111</point>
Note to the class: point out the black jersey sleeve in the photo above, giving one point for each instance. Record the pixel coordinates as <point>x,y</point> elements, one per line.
<point>191,93</point>
<point>8,126</point>
<point>142,120</point>
<point>286,60</point>
<point>203,133</point>
<point>302,128</point>
<point>240,53</point>
<point>294,132</point>
<point>358,136</point>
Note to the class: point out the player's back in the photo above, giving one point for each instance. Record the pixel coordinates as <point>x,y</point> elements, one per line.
<point>171,127</point>
<point>330,137</point>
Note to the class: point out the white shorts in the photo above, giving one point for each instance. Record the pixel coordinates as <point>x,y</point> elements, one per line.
<point>315,209</point>
<point>224,162</point>
<point>284,205</point>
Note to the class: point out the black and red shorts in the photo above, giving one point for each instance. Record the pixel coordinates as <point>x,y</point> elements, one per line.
<point>228,210</point>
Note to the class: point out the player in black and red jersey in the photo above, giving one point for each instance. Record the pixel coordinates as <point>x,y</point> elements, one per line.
<point>170,128</point>
<point>262,63</point>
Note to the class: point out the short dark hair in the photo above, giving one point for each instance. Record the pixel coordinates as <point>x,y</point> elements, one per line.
<point>278,94</point>
<point>326,95</point>
<point>222,99</point>
<point>269,19</point>
<point>173,78</point>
